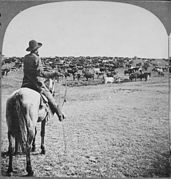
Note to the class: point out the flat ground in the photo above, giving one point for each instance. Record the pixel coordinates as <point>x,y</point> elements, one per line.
<point>113,130</point>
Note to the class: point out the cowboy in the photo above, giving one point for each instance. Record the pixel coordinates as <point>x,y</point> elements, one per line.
<point>34,76</point>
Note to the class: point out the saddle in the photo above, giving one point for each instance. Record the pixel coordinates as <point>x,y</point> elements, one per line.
<point>45,110</point>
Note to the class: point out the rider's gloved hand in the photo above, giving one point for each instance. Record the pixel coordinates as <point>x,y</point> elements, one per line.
<point>59,113</point>
<point>61,117</point>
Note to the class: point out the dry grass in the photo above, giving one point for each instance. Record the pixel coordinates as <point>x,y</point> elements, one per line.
<point>113,130</point>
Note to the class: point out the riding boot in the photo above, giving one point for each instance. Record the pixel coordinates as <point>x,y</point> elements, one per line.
<point>52,103</point>
<point>59,113</point>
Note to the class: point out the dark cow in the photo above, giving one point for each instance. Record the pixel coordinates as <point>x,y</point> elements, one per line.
<point>139,76</point>
<point>66,74</point>
<point>149,74</point>
<point>144,75</point>
<point>165,68</point>
<point>72,71</point>
<point>88,75</point>
<point>5,71</point>
<point>138,64</point>
<point>78,76</point>
<point>129,71</point>
<point>158,70</point>
<point>111,73</point>
<point>154,69</point>
<point>133,76</point>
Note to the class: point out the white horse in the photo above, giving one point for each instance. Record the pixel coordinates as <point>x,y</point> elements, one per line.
<point>24,109</point>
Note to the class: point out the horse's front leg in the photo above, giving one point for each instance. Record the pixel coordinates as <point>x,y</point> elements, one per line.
<point>34,140</point>
<point>43,136</point>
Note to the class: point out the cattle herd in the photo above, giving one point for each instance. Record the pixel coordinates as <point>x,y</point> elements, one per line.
<point>104,68</point>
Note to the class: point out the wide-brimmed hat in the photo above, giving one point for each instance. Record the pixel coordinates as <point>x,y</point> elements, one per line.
<point>33,45</point>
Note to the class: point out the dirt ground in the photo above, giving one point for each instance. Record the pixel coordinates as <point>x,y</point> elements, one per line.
<point>113,130</point>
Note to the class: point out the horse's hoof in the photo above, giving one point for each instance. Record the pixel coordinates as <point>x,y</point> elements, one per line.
<point>4,154</point>
<point>43,152</point>
<point>30,173</point>
<point>9,173</point>
<point>33,149</point>
<point>16,153</point>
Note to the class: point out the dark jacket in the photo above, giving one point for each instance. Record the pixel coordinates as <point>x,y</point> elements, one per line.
<point>33,72</point>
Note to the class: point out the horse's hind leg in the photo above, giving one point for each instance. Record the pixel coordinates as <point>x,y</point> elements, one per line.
<point>28,160</point>
<point>43,136</point>
<point>33,144</point>
<point>31,134</point>
<point>10,150</point>
<point>16,147</point>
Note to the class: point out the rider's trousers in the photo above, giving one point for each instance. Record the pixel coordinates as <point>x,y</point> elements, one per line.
<point>53,105</point>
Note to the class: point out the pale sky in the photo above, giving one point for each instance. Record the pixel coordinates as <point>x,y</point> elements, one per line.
<point>84,28</point>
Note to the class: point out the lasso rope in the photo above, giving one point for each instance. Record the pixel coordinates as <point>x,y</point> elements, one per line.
<point>63,129</point>
<point>64,138</point>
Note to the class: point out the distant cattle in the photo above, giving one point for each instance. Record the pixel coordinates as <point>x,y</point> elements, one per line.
<point>148,73</point>
<point>165,68</point>
<point>88,75</point>
<point>129,71</point>
<point>66,74</point>
<point>72,71</point>
<point>78,74</point>
<point>102,69</point>
<point>133,76</point>
<point>144,76</point>
<point>140,76</point>
<point>132,70</point>
<point>127,65</point>
<point>5,71</point>
<point>138,64</point>
<point>96,70</point>
<point>158,70</point>
<point>154,69</point>
<point>18,65</point>
<point>108,79</point>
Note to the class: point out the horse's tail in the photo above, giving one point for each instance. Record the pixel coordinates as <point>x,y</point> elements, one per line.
<point>22,136</point>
